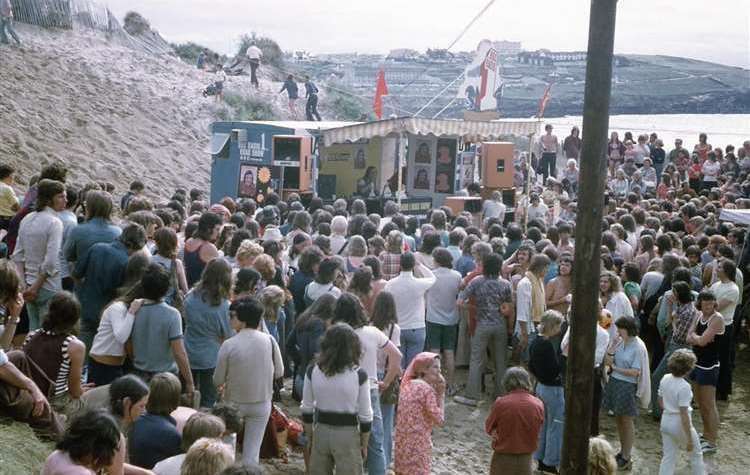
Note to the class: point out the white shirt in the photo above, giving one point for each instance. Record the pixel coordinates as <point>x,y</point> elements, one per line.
<point>69,221</point>
<point>408,292</point>
<point>493,209</point>
<point>395,335</point>
<point>337,242</point>
<point>523,306</point>
<point>619,306</point>
<point>727,291</point>
<point>253,52</point>
<point>170,466</point>
<point>675,393</point>
<point>114,331</point>
<point>38,248</point>
<point>441,298</point>
<point>371,339</point>
<point>602,343</point>
<point>315,290</point>
<point>538,212</point>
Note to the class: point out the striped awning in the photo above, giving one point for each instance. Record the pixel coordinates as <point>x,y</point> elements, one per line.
<point>472,131</point>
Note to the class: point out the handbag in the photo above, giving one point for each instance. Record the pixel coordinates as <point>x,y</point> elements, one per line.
<point>390,394</point>
<point>51,389</point>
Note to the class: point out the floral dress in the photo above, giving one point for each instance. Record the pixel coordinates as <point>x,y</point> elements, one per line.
<point>419,409</point>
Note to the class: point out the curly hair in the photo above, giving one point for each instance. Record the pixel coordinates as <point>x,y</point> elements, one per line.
<point>601,457</point>
<point>272,298</point>
<point>340,350</point>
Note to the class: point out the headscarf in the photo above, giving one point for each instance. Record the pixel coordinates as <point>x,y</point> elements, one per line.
<point>418,365</point>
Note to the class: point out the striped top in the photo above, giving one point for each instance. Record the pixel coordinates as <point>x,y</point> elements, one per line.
<point>50,352</point>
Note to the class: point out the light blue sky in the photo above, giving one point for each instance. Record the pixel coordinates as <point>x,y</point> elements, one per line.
<point>717,31</point>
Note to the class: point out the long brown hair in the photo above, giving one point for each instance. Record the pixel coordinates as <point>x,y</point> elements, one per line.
<point>216,282</point>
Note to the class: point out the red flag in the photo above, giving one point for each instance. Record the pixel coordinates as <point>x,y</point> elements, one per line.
<point>381,89</point>
<point>543,101</point>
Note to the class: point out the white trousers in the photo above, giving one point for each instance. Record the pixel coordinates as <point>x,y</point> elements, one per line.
<point>674,441</point>
<point>255,417</point>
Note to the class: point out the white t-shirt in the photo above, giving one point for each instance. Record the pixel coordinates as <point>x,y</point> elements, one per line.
<point>372,340</point>
<point>395,335</point>
<point>728,291</point>
<point>253,52</point>
<point>675,393</point>
<point>538,212</point>
<point>493,209</point>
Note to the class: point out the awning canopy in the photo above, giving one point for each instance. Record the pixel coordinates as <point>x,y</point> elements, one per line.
<point>473,131</point>
<point>218,142</point>
<point>736,216</point>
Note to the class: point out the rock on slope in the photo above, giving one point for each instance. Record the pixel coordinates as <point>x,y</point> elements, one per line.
<point>109,112</point>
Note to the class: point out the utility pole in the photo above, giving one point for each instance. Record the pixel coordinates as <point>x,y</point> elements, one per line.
<point>587,265</point>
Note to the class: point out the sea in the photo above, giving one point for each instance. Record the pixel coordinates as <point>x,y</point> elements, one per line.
<point>722,129</point>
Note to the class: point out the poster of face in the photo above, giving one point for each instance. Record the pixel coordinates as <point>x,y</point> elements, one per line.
<point>467,158</point>
<point>248,181</point>
<point>422,155</point>
<point>421,178</point>
<point>360,159</point>
<point>445,168</point>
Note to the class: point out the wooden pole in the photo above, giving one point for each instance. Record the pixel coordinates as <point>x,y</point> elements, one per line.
<point>587,265</point>
<point>528,179</point>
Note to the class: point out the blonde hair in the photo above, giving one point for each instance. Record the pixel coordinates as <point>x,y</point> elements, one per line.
<point>248,249</point>
<point>601,457</point>
<point>550,320</point>
<point>394,242</point>
<point>272,298</point>
<point>207,456</point>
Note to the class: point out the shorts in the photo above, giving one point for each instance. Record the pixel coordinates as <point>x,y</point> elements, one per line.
<point>705,377</point>
<point>441,337</point>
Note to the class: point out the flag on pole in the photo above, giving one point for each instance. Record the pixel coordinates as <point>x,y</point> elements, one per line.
<point>543,101</point>
<point>381,89</point>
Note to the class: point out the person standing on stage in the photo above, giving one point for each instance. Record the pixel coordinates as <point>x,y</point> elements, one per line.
<point>550,147</point>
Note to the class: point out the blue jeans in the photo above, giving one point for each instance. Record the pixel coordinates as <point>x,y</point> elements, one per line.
<point>551,436</point>
<point>412,343</point>
<point>389,412</point>
<point>204,382</point>
<point>375,455</point>
<point>37,309</point>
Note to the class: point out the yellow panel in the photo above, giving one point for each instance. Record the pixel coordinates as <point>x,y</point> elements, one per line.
<point>340,160</point>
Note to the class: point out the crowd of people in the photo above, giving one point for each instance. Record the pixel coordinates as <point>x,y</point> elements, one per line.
<point>156,339</point>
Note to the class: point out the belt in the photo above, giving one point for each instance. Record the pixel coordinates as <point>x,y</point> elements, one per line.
<point>337,419</point>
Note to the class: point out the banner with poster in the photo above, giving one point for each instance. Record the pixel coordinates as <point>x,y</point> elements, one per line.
<point>248,184</point>
<point>482,86</point>
<point>360,158</point>
<point>420,164</point>
<point>466,172</point>
<point>445,166</point>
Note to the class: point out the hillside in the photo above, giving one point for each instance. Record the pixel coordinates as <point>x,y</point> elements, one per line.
<point>116,113</point>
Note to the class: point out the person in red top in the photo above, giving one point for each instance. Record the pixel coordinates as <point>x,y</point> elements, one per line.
<point>514,424</point>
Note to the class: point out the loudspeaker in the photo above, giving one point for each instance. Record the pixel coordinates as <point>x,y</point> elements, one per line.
<point>497,164</point>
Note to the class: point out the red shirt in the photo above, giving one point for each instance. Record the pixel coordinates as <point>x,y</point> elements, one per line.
<point>515,422</point>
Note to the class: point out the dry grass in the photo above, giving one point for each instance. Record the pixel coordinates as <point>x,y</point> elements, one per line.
<point>21,452</point>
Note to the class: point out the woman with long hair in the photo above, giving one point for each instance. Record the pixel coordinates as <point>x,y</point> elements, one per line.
<point>361,287</point>
<point>421,407</point>
<point>107,353</point>
<point>349,310</point>
<point>199,249</point>
<point>614,299</point>
<point>355,253</point>
<point>336,397</point>
<point>207,325</point>
<point>166,256</point>
<point>303,343</point>
<point>272,298</point>
<point>615,153</point>
<point>56,355</point>
<point>385,319</point>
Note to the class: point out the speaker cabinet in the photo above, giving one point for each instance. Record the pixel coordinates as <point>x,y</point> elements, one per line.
<point>497,164</point>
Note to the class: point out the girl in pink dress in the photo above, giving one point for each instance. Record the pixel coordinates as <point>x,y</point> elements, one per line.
<point>420,408</point>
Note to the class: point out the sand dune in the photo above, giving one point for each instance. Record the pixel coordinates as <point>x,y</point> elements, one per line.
<point>109,112</point>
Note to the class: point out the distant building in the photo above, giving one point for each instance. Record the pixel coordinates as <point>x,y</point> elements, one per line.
<point>403,54</point>
<point>545,57</point>
<point>507,48</point>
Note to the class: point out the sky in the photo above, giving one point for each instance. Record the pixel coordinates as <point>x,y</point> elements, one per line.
<point>716,31</point>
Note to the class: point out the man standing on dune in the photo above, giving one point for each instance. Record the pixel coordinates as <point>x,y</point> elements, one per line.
<point>6,23</point>
<point>253,55</point>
